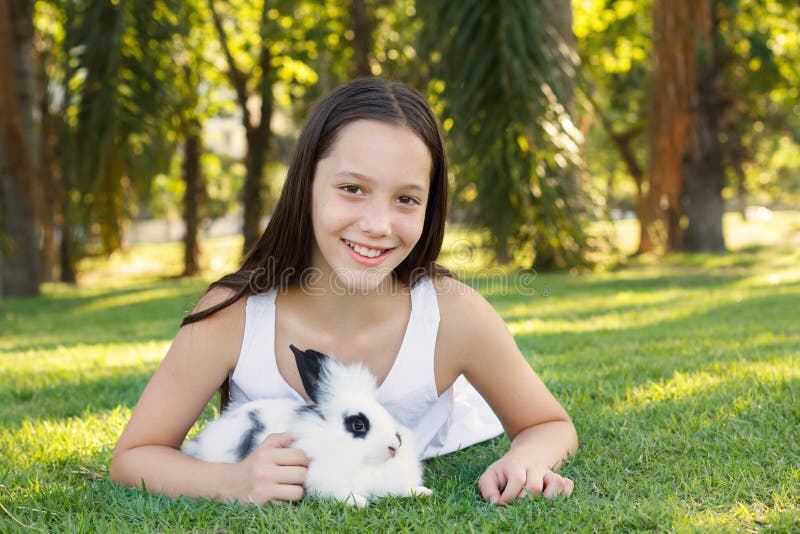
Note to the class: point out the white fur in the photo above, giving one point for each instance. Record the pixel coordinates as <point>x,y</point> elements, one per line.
<point>343,467</point>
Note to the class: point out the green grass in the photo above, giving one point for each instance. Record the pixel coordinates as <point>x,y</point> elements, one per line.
<point>682,377</point>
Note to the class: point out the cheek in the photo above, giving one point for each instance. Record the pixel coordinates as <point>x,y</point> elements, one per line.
<point>418,223</point>
<point>327,217</point>
<point>412,226</point>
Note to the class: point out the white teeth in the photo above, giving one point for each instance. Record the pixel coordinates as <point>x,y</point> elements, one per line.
<point>364,251</point>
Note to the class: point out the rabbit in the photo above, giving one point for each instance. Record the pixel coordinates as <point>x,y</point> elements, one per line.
<point>357,451</point>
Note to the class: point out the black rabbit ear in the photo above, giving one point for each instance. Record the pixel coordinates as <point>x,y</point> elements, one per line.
<point>309,364</point>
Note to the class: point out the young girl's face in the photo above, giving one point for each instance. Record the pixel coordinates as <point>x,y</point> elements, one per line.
<point>368,202</point>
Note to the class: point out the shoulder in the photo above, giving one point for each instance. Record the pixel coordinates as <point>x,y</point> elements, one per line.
<point>217,331</point>
<point>216,296</point>
<point>468,323</point>
<point>461,304</point>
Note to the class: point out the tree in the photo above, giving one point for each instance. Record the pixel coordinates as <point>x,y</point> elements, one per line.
<point>20,272</point>
<point>251,84</point>
<point>672,90</point>
<point>193,196</point>
<point>113,116</point>
<point>503,92</point>
<point>703,164</point>
<point>363,26</point>
<point>192,61</point>
<point>758,61</point>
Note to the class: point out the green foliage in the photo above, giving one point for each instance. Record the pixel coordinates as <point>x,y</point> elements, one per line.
<point>504,87</point>
<point>322,37</point>
<point>682,380</point>
<point>119,82</point>
<point>613,43</point>
<point>760,78</point>
<point>763,117</point>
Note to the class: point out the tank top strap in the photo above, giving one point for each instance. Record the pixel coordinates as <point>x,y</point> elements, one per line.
<point>256,374</point>
<point>413,373</point>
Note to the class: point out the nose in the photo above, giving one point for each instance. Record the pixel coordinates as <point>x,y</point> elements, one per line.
<point>375,220</point>
<point>392,448</point>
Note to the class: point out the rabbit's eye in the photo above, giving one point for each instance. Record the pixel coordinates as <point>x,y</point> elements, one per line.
<point>357,425</point>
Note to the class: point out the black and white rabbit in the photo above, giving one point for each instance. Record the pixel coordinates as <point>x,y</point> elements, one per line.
<point>357,451</point>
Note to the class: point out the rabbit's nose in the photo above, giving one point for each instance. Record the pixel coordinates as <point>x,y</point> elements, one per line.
<point>392,448</point>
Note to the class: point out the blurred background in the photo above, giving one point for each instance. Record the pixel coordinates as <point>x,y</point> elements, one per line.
<point>580,133</point>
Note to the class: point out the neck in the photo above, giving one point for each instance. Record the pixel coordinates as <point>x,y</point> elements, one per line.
<point>329,297</point>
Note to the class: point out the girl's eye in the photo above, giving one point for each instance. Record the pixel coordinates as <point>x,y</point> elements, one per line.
<point>352,189</point>
<point>407,200</point>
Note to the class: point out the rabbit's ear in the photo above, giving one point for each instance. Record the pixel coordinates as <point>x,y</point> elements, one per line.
<point>309,363</point>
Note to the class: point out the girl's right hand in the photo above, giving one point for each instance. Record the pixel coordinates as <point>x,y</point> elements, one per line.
<point>272,472</point>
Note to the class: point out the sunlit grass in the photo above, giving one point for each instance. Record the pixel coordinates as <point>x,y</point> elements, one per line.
<point>682,377</point>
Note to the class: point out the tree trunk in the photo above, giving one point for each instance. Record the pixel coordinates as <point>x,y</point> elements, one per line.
<point>67,162</point>
<point>677,25</point>
<point>257,145</point>
<point>704,171</point>
<point>20,274</point>
<point>47,190</point>
<point>66,254</point>
<point>192,200</point>
<point>259,133</point>
<point>363,25</point>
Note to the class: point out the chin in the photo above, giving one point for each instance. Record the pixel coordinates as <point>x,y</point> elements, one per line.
<point>352,281</point>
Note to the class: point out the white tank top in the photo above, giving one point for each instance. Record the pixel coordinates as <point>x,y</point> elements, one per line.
<point>441,424</point>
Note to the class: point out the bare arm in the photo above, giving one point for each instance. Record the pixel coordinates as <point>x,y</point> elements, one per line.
<point>476,342</point>
<point>147,453</point>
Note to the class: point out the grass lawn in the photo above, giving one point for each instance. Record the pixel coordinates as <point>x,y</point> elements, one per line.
<point>682,377</point>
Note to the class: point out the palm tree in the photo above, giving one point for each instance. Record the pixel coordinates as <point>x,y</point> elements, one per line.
<point>507,70</point>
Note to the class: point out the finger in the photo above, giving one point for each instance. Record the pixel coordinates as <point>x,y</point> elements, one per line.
<point>489,484</point>
<point>534,481</point>
<point>289,456</point>
<point>555,484</point>
<point>290,474</point>
<point>514,485</point>
<point>278,440</point>
<point>289,492</point>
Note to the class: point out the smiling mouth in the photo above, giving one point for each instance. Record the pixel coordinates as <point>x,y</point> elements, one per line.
<point>365,251</point>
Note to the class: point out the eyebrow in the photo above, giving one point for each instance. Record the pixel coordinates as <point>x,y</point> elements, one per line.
<point>364,177</point>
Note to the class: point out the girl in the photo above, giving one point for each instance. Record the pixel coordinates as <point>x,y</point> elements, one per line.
<point>347,267</point>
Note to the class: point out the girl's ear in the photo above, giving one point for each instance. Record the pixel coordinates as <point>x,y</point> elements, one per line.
<point>309,364</point>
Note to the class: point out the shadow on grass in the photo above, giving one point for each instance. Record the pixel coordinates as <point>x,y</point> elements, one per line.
<point>569,299</point>
<point>87,317</point>
<point>71,398</point>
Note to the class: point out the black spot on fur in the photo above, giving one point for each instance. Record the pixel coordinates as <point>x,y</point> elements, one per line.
<point>248,443</point>
<point>399,439</point>
<point>311,408</point>
<point>357,425</point>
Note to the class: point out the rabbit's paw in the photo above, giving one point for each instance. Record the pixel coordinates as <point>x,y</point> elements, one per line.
<point>358,501</point>
<point>420,491</point>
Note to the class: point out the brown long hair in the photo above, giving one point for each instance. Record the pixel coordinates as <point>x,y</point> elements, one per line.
<point>282,255</point>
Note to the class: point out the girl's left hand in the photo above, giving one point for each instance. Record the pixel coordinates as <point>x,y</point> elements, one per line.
<point>511,478</point>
